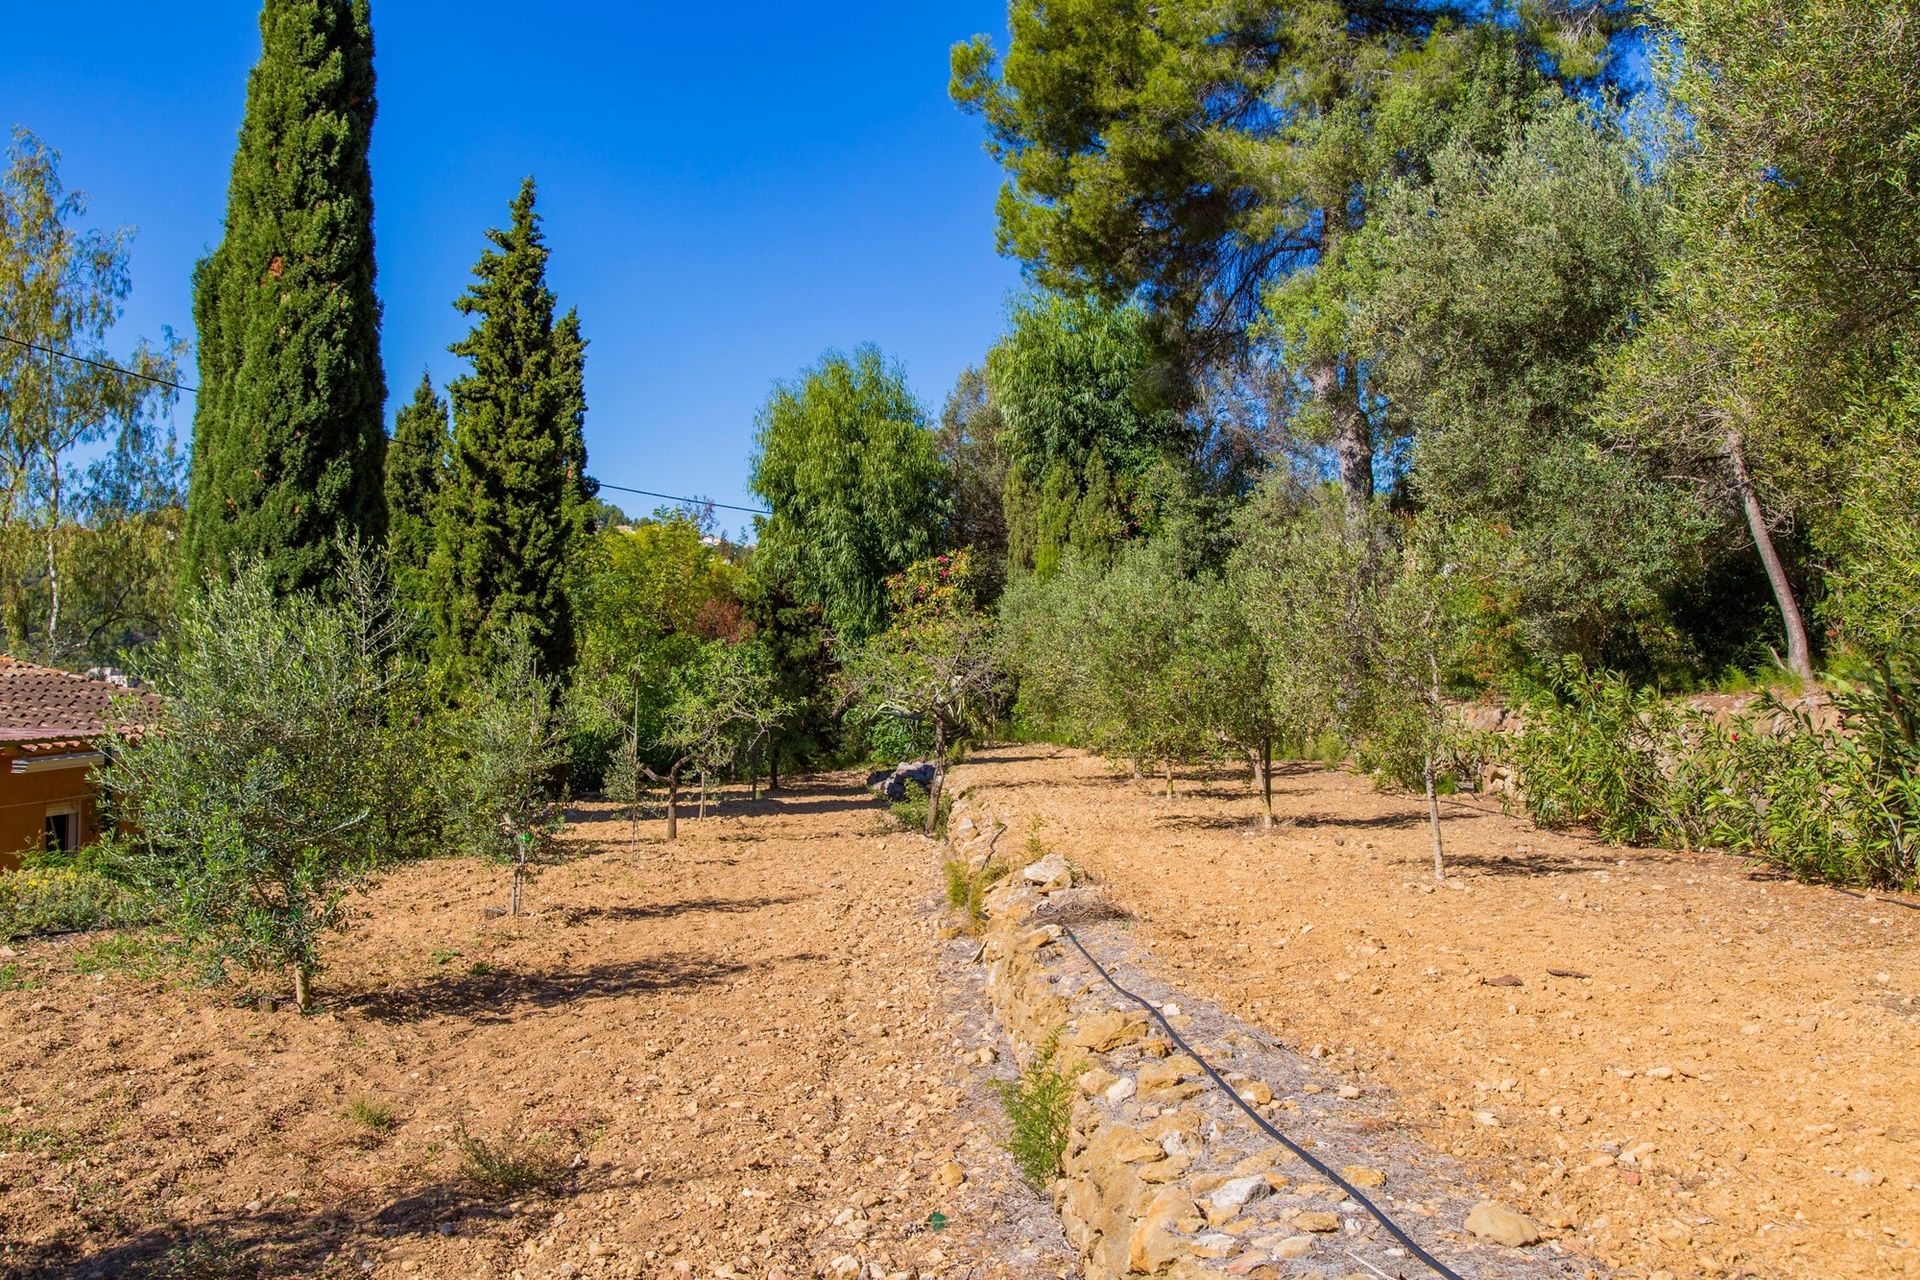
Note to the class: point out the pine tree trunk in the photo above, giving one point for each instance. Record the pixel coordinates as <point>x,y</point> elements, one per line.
<point>1799,650</point>
<point>1339,398</point>
<point>302,988</point>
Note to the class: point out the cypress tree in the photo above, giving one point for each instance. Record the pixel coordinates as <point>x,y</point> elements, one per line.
<point>416,468</point>
<point>516,500</point>
<point>288,433</point>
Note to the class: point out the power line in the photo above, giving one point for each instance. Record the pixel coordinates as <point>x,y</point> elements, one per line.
<point>147,377</point>
<point>101,365</point>
<point>696,502</point>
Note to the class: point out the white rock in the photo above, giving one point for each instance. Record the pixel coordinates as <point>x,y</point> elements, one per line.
<point>1233,1196</point>
<point>1050,873</point>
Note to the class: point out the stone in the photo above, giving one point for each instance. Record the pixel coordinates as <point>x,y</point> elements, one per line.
<point>1120,1090</point>
<point>1154,1242</point>
<point>1364,1176</point>
<point>1503,1224</point>
<point>1294,1247</point>
<point>1102,1032</point>
<point>1170,1080</point>
<point>1319,1221</point>
<point>1094,1081</point>
<point>1233,1196</point>
<point>1216,1244</point>
<point>1255,1093</point>
<point>1049,874</point>
<point>1349,1091</point>
<point>952,1174</point>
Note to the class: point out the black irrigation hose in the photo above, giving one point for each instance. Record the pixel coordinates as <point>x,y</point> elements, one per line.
<point>1875,897</point>
<point>1439,1267</point>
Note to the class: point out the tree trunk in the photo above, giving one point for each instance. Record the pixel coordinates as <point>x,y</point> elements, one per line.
<point>302,988</point>
<point>1339,398</point>
<point>513,894</point>
<point>1263,767</point>
<point>1168,763</point>
<point>773,766</point>
<point>939,778</point>
<point>1433,820</point>
<point>53,564</point>
<point>673,805</point>
<point>700,815</point>
<point>1799,650</point>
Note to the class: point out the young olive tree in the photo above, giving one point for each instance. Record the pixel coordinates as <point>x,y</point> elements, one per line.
<point>252,805</point>
<point>719,708</point>
<point>933,662</point>
<point>505,805</point>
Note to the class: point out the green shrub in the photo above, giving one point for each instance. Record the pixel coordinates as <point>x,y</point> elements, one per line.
<point>372,1115</point>
<point>59,899</point>
<point>136,954</point>
<point>911,811</point>
<point>1039,1107</point>
<point>1590,755</point>
<point>967,889</point>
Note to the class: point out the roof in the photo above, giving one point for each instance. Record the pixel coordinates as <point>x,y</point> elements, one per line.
<point>44,709</point>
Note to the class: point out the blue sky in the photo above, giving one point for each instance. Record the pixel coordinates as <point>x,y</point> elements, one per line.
<point>728,190</point>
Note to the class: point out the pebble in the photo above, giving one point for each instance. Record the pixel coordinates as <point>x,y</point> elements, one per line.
<point>1318,1220</point>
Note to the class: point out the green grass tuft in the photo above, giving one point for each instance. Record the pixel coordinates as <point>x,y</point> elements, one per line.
<point>1039,1107</point>
<point>508,1164</point>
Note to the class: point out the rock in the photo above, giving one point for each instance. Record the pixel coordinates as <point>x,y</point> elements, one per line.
<point>1216,1244</point>
<point>1154,1244</point>
<point>844,1267</point>
<point>1049,874</point>
<point>1101,1032</point>
<point>1364,1176</point>
<point>1319,1221</point>
<point>1170,1080</point>
<point>1256,1093</point>
<point>893,786</point>
<point>1237,1194</point>
<point>1294,1247</point>
<point>1503,1224</point>
<point>1120,1090</point>
<point>952,1174</point>
<point>1349,1092</point>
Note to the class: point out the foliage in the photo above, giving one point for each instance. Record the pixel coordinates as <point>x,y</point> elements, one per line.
<point>1835,800</point>
<point>371,1114</point>
<point>843,457</point>
<point>63,899</point>
<point>516,502</point>
<point>89,477</point>
<point>1039,1107</point>
<point>253,806</point>
<point>416,470</point>
<point>912,810</point>
<point>504,802</point>
<point>1871,538</point>
<point>968,441</point>
<point>967,888</point>
<point>288,431</point>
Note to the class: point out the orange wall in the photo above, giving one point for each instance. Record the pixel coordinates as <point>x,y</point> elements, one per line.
<point>23,805</point>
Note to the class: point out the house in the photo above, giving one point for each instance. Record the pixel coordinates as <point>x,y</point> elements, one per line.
<point>50,723</point>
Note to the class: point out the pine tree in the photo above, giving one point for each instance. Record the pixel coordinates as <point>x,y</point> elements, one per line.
<point>416,469</point>
<point>288,435</point>
<point>516,500</point>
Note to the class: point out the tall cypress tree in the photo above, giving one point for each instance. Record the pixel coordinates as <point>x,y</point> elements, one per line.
<point>288,435</point>
<point>416,469</point>
<point>516,500</point>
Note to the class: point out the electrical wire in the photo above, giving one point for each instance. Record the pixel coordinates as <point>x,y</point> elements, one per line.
<point>1439,1268</point>
<point>107,367</point>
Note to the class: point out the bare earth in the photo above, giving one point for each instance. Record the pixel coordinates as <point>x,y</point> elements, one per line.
<point>745,1050</point>
<point>1722,1079</point>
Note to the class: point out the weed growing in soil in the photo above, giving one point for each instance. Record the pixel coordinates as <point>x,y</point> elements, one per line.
<point>911,812</point>
<point>1039,1107</point>
<point>377,1117</point>
<point>134,954</point>
<point>508,1164</point>
<point>61,899</point>
<point>200,1258</point>
<point>967,889</point>
<point>13,978</point>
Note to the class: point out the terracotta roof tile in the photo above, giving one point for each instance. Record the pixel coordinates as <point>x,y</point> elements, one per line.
<point>39,705</point>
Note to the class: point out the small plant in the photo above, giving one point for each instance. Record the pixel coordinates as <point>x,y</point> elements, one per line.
<point>136,954</point>
<point>13,978</point>
<point>63,899</point>
<point>508,1164</point>
<point>200,1257</point>
<point>911,811</point>
<point>445,955</point>
<point>967,889</point>
<point>1039,1107</point>
<point>371,1115</point>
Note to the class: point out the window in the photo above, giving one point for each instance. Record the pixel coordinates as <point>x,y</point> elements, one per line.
<point>63,830</point>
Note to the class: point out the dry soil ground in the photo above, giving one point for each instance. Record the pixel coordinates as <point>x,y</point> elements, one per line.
<point>1691,1068</point>
<point>741,1049</point>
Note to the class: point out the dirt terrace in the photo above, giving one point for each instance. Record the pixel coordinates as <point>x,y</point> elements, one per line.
<point>1690,1068</point>
<point>741,1047</point>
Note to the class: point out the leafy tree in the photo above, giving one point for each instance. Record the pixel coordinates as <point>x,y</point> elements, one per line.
<point>719,709</point>
<point>503,802</point>
<point>843,457</point>
<point>86,468</point>
<point>934,661</point>
<point>288,427</point>
<point>1498,287</point>
<point>1218,159</point>
<point>253,807</point>
<point>416,469</point>
<point>516,501</point>
<point>969,444</point>
<point>1791,291</point>
<point>1872,538</point>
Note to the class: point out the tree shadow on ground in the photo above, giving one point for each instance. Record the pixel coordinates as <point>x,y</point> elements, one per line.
<point>495,995</point>
<point>1376,822</point>
<point>290,1241</point>
<point>667,910</point>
